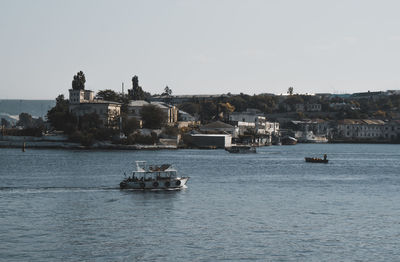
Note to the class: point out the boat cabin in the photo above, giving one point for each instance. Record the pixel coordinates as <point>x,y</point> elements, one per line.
<point>146,172</point>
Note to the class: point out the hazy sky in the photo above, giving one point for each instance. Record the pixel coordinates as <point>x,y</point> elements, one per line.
<point>199,47</point>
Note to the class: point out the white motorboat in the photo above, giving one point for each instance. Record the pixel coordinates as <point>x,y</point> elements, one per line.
<point>163,177</point>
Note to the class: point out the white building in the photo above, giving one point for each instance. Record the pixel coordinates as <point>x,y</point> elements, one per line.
<point>391,130</point>
<point>210,140</point>
<point>135,108</point>
<point>361,129</point>
<point>253,119</point>
<point>80,96</point>
<point>82,102</point>
<point>313,107</point>
<point>170,111</point>
<point>250,115</point>
<point>219,127</point>
<point>183,116</point>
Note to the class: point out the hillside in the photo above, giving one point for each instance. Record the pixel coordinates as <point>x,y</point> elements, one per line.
<point>11,108</point>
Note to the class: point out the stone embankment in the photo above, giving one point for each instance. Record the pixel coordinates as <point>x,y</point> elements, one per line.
<point>62,143</point>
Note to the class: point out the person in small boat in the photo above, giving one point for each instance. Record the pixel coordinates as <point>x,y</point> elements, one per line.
<point>325,156</point>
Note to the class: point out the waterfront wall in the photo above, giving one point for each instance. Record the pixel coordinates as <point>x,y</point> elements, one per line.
<point>70,145</point>
<point>53,138</point>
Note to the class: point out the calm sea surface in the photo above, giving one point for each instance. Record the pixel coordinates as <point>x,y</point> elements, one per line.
<point>59,205</point>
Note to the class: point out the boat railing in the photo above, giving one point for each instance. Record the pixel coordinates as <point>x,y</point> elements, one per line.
<point>155,174</point>
<point>141,166</point>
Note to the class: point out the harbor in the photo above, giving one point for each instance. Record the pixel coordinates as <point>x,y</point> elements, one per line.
<point>67,205</point>
<point>204,131</point>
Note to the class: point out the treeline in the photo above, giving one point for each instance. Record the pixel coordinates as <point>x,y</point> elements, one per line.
<point>29,126</point>
<point>220,107</point>
<point>209,109</point>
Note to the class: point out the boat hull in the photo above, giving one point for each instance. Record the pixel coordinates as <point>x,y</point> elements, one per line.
<point>288,141</point>
<point>241,149</point>
<point>162,184</point>
<point>316,160</point>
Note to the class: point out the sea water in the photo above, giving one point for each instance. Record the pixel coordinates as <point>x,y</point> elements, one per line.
<point>65,205</point>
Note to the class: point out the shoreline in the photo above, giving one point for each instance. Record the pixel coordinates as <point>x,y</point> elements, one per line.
<point>77,146</point>
<point>109,146</point>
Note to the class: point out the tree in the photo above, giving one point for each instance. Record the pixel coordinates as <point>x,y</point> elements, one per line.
<point>292,100</point>
<point>25,120</point>
<point>224,109</point>
<point>90,121</point>
<point>129,125</point>
<point>290,91</point>
<point>5,123</point>
<point>79,81</point>
<point>39,123</point>
<point>190,108</point>
<point>239,102</point>
<point>60,118</point>
<point>300,115</point>
<point>153,117</point>
<point>167,91</point>
<point>109,95</point>
<point>136,93</point>
<point>209,110</point>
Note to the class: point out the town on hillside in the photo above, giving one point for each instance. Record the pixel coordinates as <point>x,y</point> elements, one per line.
<point>138,119</point>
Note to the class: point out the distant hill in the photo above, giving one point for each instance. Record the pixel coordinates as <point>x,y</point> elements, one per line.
<point>11,108</point>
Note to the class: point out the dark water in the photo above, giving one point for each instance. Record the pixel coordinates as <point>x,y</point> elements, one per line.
<point>58,205</point>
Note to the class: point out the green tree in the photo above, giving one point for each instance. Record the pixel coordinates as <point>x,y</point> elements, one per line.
<point>239,102</point>
<point>290,91</point>
<point>25,120</point>
<point>38,123</point>
<point>136,93</point>
<point>296,99</point>
<point>5,123</point>
<point>129,125</point>
<point>78,83</point>
<point>167,91</point>
<point>300,115</point>
<point>153,117</point>
<point>190,108</point>
<point>60,118</point>
<point>109,95</point>
<point>90,121</point>
<point>209,111</point>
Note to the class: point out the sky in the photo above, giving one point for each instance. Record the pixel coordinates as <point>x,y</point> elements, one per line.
<point>199,47</point>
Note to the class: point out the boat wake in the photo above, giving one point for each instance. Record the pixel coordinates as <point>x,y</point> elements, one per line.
<point>54,189</point>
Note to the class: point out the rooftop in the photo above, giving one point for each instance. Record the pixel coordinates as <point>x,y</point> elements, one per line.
<point>138,103</point>
<point>361,122</point>
<point>217,124</point>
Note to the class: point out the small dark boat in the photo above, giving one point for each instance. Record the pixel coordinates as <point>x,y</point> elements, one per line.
<point>316,160</point>
<point>241,149</point>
